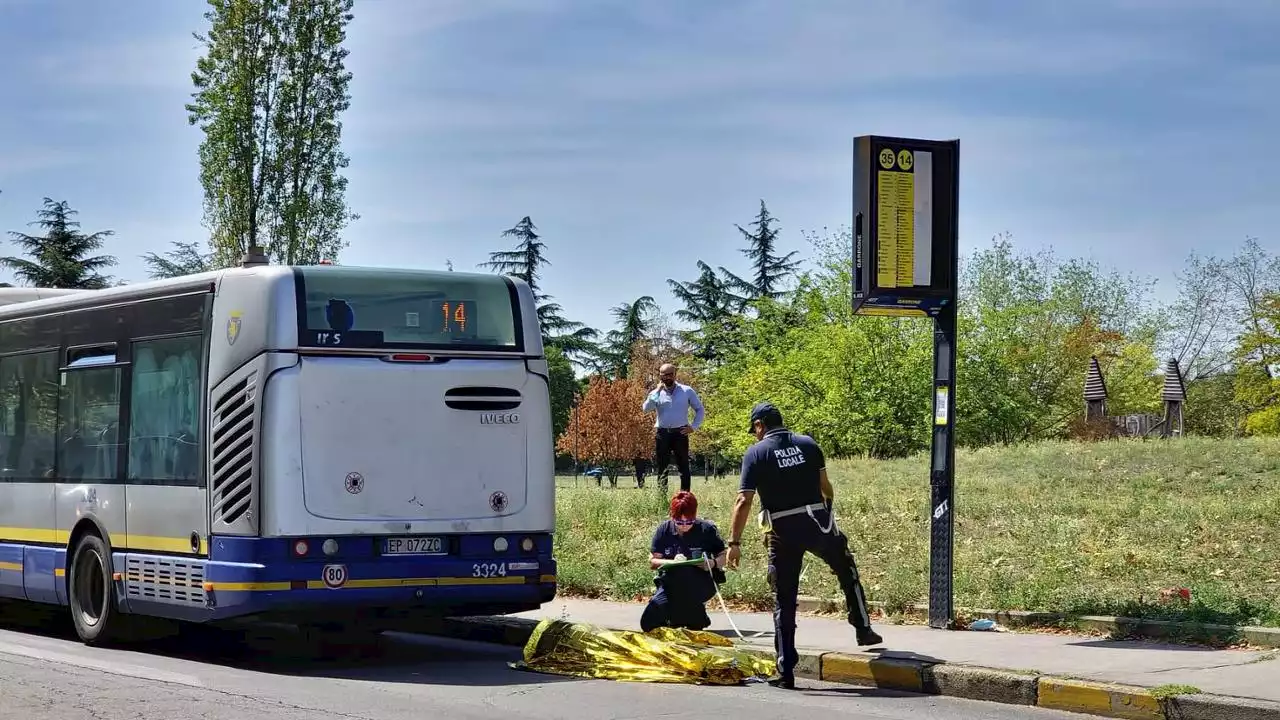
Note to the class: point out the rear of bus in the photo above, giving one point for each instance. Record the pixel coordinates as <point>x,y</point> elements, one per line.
<point>406,451</point>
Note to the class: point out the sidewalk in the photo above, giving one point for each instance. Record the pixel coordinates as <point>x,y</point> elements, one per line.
<point>1222,672</point>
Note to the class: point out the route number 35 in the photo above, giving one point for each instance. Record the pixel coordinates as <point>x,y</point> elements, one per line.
<point>489,570</point>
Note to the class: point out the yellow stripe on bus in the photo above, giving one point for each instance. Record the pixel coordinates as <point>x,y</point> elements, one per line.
<point>161,544</point>
<point>368,583</point>
<point>34,535</point>
<point>16,567</point>
<point>130,541</point>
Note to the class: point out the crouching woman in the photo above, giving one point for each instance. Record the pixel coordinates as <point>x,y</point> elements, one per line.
<point>683,590</point>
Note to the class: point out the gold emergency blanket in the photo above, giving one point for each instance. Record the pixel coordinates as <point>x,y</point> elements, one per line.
<point>666,655</point>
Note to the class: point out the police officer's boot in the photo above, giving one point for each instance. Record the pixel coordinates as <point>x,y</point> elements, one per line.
<point>786,682</point>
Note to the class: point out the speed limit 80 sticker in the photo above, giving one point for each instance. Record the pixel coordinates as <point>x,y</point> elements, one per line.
<point>334,576</point>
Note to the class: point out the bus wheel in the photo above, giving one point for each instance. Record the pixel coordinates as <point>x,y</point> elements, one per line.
<point>93,600</point>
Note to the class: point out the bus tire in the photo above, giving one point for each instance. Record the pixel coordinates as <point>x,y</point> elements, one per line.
<point>91,593</point>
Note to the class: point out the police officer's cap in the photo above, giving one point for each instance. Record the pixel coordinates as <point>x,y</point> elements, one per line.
<point>765,412</point>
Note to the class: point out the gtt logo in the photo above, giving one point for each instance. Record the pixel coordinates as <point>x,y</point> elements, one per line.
<point>500,419</point>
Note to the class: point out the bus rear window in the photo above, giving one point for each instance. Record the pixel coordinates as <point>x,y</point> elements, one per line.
<point>375,308</point>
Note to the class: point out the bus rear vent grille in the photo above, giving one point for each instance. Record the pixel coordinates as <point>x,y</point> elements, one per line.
<point>165,580</point>
<point>487,399</point>
<point>234,415</point>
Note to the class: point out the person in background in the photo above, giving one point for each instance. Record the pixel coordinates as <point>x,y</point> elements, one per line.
<point>672,401</point>
<point>682,592</point>
<point>789,472</point>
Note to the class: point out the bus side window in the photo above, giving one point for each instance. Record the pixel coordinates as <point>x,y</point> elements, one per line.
<point>164,409</point>
<point>28,404</point>
<point>88,439</point>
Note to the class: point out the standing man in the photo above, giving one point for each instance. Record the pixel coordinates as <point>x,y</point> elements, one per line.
<point>672,401</point>
<point>789,472</point>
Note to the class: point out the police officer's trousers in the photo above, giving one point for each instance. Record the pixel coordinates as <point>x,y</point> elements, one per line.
<point>788,541</point>
<point>679,600</point>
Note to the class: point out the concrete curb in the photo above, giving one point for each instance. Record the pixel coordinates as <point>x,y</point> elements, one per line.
<point>1262,637</point>
<point>939,678</point>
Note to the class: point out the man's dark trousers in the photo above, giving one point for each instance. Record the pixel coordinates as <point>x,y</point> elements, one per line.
<point>670,441</point>
<point>789,539</point>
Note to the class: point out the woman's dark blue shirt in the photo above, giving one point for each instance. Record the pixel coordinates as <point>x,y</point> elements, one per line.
<point>701,539</point>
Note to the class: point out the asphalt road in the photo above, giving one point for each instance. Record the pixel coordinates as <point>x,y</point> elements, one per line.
<point>270,673</point>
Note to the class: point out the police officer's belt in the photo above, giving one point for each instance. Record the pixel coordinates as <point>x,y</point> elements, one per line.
<point>769,517</point>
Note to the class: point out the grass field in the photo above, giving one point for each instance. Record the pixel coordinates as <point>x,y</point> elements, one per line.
<point>1065,527</point>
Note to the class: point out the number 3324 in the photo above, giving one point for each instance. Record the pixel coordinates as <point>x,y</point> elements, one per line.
<point>489,570</point>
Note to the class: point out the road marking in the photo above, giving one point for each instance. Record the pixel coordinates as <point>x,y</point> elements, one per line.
<point>113,667</point>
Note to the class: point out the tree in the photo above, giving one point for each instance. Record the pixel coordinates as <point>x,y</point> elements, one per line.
<point>525,262</point>
<point>607,427</point>
<point>60,257</point>
<point>1216,331</point>
<point>709,304</point>
<point>769,271</point>
<point>563,388</point>
<point>1198,328</point>
<point>309,191</point>
<point>184,259</point>
<point>269,91</point>
<point>1259,390</point>
<point>635,319</point>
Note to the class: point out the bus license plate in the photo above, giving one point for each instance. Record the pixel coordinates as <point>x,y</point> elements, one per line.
<point>413,546</point>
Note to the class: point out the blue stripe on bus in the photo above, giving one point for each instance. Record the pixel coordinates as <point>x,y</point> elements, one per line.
<point>40,575</point>
<point>11,572</point>
<point>264,577</point>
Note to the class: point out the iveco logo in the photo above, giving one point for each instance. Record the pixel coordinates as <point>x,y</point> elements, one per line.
<point>500,419</point>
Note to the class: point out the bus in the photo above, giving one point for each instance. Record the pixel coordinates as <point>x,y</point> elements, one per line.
<point>329,446</point>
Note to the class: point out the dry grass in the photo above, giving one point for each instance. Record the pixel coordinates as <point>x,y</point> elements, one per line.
<point>1067,527</point>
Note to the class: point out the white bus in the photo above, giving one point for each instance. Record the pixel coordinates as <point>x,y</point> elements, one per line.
<point>325,445</point>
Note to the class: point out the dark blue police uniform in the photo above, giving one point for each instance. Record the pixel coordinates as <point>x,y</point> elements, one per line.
<point>682,592</point>
<point>783,470</point>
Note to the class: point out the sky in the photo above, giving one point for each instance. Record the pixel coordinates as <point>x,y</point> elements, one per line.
<point>636,133</point>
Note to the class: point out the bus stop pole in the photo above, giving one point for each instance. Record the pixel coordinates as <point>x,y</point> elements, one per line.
<point>942,469</point>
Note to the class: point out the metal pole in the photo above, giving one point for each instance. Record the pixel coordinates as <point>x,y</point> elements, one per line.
<point>942,469</point>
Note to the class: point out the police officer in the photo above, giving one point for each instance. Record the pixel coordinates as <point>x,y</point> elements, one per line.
<point>789,472</point>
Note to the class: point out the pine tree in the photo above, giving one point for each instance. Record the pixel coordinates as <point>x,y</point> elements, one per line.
<point>769,271</point>
<point>183,259</point>
<point>59,256</point>
<point>710,305</point>
<point>635,319</point>
<point>525,262</point>
<point>707,299</point>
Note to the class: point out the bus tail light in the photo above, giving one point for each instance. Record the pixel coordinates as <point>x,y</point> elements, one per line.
<point>526,544</point>
<point>500,544</point>
<point>408,357</point>
<point>330,547</point>
<point>301,548</point>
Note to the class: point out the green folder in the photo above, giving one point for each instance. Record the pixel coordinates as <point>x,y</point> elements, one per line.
<point>696,562</point>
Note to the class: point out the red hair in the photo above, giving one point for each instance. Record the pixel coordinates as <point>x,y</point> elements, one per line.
<point>684,505</point>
